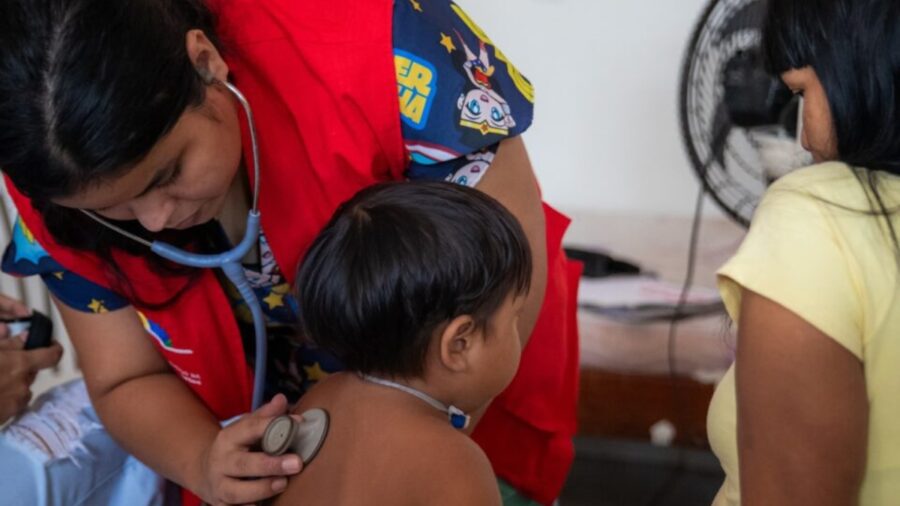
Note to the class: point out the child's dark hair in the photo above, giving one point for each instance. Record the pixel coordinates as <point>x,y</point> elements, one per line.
<point>400,259</point>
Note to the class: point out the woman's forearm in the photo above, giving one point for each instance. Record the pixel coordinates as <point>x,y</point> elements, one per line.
<point>154,415</point>
<point>511,181</point>
<point>162,423</point>
<point>141,402</point>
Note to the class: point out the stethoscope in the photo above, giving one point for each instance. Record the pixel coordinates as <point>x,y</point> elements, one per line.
<point>306,437</point>
<point>229,261</point>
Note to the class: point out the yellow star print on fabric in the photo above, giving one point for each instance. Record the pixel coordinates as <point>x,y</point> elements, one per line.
<point>416,5</point>
<point>315,373</point>
<point>274,300</point>
<point>59,275</point>
<point>447,42</point>
<point>97,306</point>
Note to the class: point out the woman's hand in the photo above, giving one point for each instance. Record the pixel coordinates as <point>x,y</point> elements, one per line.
<point>11,308</point>
<point>18,367</point>
<point>234,473</point>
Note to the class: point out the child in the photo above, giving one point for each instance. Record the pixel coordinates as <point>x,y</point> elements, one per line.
<point>416,288</point>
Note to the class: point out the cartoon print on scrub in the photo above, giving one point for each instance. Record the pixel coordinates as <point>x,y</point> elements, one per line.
<point>417,87</point>
<point>481,107</point>
<point>436,42</point>
<point>470,173</point>
<point>526,89</point>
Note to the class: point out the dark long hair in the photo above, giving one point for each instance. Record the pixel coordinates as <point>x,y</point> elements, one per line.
<point>854,47</point>
<point>87,88</point>
<point>398,260</point>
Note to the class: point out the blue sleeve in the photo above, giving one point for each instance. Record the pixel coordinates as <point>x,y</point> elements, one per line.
<point>459,94</point>
<point>26,257</point>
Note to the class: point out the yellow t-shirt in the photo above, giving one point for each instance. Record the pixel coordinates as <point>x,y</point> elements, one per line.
<point>836,269</point>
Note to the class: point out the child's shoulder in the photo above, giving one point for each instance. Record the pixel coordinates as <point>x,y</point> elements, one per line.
<point>449,467</point>
<point>414,459</point>
<point>446,466</point>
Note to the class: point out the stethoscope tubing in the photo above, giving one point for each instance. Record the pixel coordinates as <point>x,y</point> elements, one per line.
<point>229,261</point>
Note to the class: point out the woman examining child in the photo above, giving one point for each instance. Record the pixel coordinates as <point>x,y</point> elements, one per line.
<point>416,338</point>
<point>808,414</point>
<point>119,108</point>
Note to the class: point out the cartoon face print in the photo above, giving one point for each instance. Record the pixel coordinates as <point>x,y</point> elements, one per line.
<point>484,111</point>
<point>472,172</point>
<point>481,107</point>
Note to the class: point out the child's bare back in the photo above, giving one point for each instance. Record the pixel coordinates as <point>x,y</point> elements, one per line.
<point>387,447</point>
<point>416,289</point>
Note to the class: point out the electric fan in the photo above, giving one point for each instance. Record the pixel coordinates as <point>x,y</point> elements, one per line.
<point>738,123</point>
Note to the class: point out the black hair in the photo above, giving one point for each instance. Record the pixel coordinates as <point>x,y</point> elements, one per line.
<point>87,88</point>
<point>400,259</point>
<point>854,48</point>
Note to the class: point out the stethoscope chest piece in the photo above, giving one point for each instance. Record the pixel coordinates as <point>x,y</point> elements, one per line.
<point>302,438</point>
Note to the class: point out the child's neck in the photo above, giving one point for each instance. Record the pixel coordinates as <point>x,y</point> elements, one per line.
<point>424,394</point>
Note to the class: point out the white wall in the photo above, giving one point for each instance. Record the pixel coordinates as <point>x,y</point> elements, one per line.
<point>605,136</point>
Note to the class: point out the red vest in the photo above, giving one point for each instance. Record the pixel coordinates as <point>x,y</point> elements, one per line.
<point>321,82</point>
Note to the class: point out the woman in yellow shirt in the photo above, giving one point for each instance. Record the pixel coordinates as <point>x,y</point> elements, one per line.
<point>810,412</point>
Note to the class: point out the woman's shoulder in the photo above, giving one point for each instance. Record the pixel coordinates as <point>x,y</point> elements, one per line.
<point>822,180</point>
<point>834,183</point>
<point>835,198</point>
<point>815,247</point>
<point>26,256</point>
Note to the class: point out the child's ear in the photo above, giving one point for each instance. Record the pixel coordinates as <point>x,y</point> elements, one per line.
<point>457,342</point>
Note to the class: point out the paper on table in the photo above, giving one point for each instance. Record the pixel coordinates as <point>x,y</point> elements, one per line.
<point>644,298</point>
<point>630,291</point>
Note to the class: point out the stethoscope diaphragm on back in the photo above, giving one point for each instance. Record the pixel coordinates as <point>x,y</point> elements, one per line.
<point>304,438</point>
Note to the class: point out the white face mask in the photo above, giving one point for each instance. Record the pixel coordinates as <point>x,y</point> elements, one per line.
<point>779,152</point>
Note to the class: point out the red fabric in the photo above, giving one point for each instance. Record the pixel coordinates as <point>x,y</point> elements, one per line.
<point>320,79</point>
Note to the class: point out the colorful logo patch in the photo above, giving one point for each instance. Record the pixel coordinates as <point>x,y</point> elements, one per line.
<point>26,247</point>
<point>161,336</point>
<point>416,88</point>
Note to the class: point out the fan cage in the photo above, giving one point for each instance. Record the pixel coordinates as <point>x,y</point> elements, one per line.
<point>737,180</point>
